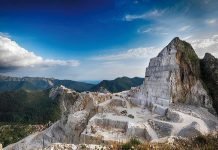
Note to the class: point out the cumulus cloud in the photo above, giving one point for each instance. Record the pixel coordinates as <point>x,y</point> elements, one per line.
<point>147,15</point>
<point>136,53</point>
<point>209,44</point>
<point>14,56</point>
<point>206,42</point>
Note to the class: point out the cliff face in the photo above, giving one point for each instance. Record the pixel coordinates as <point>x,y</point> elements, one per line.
<point>188,74</point>
<point>209,74</point>
<point>174,77</point>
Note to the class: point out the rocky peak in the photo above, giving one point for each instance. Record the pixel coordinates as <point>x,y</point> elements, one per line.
<point>178,45</point>
<point>209,74</point>
<point>174,77</point>
<point>175,41</point>
<point>209,57</point>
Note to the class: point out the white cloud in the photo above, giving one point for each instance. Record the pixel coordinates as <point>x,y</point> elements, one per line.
<point>14,56</point>
<point>205,43</point>
<point>145,30</point>
<point>5,34</point>
<point>209,44</point>
<point>186,37</point>
<point>211,21</point>
<point>184,28</point>
<point>160,30</point>
<point>147,15</point>
<point>135,53</point>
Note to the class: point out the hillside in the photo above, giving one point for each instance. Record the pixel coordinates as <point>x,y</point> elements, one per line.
<point>36,83</point>
<point>28,107</point>
<point>209,74</point>
<point>118,84</point>
<point>25,112</point>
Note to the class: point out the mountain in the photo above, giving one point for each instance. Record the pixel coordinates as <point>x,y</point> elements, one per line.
<point>36,83</point>
<point>209,75</point>
<point>118,84</point>
<point>174,77</point>
<point>172,103</point>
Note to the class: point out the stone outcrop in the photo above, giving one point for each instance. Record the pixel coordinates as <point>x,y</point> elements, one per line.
<point>60,146</point>
<point>174,77</point>
<point>209,74</point>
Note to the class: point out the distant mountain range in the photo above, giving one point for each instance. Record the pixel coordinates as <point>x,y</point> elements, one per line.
<point>8,83</point>
<point>118,84</point>
<point>36,83</point>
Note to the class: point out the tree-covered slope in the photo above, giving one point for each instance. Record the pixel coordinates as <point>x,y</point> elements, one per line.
<point>33,107</point>
<point>118,84</point>
<point>35,83</point>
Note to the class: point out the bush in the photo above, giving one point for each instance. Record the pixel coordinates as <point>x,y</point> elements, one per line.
<point>201,140</point>
<point>131,144</point>
<point>83,146</point>
<point>130,116</point>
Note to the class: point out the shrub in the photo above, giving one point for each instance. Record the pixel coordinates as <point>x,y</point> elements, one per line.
<point>130,116</point>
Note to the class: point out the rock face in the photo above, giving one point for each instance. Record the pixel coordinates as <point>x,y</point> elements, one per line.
<point>209,74</point>
<point>174,77</point>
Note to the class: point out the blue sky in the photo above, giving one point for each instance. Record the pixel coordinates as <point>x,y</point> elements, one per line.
<point>99,39</point>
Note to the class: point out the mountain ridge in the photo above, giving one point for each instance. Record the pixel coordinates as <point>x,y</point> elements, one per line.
<point>119,84</point>
<point>8,83</point>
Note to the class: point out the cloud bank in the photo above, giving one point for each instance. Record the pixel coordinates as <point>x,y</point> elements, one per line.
<point>203,45</point>
<point>13,56</point>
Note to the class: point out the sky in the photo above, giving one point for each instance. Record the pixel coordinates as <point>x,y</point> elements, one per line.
<point>88,40</point>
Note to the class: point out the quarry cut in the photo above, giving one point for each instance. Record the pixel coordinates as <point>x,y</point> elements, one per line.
<point>173,77</point>
<point>172,101</point>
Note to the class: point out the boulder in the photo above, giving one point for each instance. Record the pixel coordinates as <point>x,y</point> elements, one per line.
<point>160,110</point>
<point>190,131</point>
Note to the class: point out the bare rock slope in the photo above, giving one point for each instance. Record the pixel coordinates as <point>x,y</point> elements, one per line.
<point>174,77</point>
